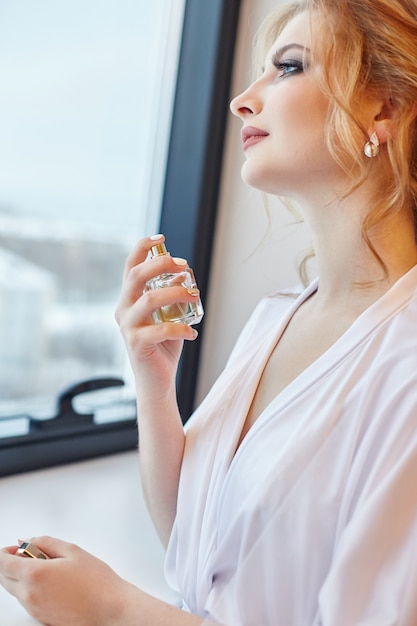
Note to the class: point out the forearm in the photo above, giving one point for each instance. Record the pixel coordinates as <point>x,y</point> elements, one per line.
<point>154,351</point>
<point>140,609</point>
<point>161,447</point>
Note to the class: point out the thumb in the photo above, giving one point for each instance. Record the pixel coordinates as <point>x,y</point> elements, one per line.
<point>52,547</point>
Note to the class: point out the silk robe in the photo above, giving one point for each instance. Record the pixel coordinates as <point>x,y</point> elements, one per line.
<point>313,521</point>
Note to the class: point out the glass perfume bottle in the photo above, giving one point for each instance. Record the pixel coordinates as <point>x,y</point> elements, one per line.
<point>184,312</point>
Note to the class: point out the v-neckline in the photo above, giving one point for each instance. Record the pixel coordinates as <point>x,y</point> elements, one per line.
<point>385,306</point>
<point>264,358</point>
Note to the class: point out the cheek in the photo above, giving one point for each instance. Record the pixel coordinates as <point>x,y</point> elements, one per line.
<point>303,119</point>
<point>296,148</point>
<point>301,132</point>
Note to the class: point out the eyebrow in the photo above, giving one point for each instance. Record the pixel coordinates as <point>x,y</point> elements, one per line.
<point>291,45</point>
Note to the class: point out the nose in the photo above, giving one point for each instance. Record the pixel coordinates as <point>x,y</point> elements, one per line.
<point>246,103</point>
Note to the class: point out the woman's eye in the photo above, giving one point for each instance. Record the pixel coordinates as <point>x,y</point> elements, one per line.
<point>285,68</point>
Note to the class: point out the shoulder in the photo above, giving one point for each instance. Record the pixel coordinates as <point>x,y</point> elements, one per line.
<point>271,306</point>
<point>268,314</point>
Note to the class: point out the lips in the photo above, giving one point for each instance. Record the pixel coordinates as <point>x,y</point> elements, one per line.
<point>252,136</point>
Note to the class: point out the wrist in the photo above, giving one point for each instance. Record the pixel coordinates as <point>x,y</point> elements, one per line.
<point>157,401</point>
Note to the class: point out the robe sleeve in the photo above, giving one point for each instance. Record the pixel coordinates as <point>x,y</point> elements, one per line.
<point>372,580</point>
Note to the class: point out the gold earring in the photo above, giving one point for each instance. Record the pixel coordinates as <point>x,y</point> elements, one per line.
<point>371,148</point>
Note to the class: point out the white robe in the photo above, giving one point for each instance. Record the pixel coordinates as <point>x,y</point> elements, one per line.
<point>314,520</point>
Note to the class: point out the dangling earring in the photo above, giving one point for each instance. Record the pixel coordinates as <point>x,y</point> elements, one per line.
<point>371,148</point>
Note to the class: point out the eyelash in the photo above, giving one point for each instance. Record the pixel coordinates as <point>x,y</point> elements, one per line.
<point>295,67</point>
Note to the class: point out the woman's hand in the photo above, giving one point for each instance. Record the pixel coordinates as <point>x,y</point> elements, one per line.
<point>153,349</point>
<point>73,588</point>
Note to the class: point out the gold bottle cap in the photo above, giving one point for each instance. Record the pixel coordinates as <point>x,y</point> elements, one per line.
<point>159,250</point>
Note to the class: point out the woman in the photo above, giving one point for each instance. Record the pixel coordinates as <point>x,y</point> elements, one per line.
<point>291,498</point>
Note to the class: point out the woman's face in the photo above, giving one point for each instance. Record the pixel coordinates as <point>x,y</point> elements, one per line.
<point>284,119</point>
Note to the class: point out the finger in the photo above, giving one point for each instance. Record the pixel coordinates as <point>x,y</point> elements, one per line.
<point>11,585</point>
<point>7,556</point>
<point>145,340</point>
<point>154,299</point>
<point>138,277</point>
<point>9,549</point>
<point>10,564</point>
<point>140,252</point>
<point>150,300</point>
<point>169,298</point>
<point>53,547</point>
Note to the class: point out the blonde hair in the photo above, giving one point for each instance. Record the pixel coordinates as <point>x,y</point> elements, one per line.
<point>366,48</point>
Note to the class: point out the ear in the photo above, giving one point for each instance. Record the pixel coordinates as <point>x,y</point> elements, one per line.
<point>383,123</point>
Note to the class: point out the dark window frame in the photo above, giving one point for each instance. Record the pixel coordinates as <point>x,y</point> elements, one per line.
<point>192,182</point>
<point>188,217</point>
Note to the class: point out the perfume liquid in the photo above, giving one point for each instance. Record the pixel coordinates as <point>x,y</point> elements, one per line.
<point>185,312</point>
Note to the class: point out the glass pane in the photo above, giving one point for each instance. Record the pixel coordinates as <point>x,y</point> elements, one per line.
<point>86,92</point>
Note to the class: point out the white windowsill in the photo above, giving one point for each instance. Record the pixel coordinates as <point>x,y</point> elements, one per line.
<point>97,504</point>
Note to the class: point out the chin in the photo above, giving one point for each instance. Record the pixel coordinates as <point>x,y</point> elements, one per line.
<point>263,178</point>
<point>261,184</point>
<point>273,181</point>
<point>252,177</point>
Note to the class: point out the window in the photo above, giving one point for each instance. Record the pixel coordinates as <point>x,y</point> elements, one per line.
<point>86,111</point>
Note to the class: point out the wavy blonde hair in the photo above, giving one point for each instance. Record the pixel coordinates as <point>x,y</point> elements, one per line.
<point>366,48</point>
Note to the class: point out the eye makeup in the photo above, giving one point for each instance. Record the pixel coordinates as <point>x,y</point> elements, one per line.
<point>287,65</point>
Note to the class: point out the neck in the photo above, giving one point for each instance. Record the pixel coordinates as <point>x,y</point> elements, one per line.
<point>349,270</point>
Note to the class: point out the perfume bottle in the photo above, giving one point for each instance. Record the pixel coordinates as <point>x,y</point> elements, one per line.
<point>184,312</point>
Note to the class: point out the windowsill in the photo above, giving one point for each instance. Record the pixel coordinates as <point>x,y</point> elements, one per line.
<point>97,504</point>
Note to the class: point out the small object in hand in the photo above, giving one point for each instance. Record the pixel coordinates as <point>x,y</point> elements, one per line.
<point>30,550</point>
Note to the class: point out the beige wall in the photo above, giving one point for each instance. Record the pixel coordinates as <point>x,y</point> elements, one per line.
<point>251,256</point>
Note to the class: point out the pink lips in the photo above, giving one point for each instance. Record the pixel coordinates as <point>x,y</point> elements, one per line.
<point>251,136</point>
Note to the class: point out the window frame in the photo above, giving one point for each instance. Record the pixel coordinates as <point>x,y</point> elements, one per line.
<point>201,108</point>
<point>188,217</point>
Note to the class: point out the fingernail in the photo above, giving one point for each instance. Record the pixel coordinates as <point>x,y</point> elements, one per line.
<point>194,292</point>
<point>195,333</point>
<point>156,237</point>
<point>179,261</point>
